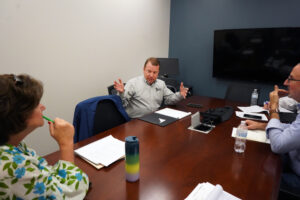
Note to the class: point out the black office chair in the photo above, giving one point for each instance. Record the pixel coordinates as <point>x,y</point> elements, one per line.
<point>240,92</point>
<point>98,114</point>
<point>111,90</point>
<point>288,194</point>
<point>172,88</point>
<point>172,84</point>
<point>107,116</point>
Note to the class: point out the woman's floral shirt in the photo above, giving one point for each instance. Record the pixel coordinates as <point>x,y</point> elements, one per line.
<point>25,175</point>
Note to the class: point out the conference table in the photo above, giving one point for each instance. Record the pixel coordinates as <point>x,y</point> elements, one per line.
<point>174,160</point>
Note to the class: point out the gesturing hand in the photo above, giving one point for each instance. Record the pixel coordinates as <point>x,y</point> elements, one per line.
<point>183,90</point>
<point>274,98</point>
<point>119,86</point>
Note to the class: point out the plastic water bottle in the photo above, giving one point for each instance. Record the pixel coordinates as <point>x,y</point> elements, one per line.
<point>254,97</point>
<point>240,140</point>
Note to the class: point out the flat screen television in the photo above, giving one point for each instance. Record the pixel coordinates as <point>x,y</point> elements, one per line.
<point>258,54</point>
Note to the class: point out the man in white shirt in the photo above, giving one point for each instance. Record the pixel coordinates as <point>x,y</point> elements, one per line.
<point>145,94</point>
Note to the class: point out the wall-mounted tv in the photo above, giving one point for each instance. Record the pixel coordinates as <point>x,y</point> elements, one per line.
<point>259,54</point>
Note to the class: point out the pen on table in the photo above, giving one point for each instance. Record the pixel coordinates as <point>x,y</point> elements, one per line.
<point>48,119</point>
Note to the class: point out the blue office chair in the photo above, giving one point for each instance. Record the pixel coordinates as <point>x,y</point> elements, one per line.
<point>98,114</point>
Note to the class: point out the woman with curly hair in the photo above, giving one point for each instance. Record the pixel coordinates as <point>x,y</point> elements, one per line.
<point>24,174</point>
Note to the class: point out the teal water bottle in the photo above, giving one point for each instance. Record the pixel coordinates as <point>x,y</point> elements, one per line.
<point>132,160</point>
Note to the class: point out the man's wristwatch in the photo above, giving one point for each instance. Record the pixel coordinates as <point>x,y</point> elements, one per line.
<point>273,111</point>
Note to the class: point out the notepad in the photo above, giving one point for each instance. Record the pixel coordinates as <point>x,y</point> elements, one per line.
<point>207,191</point>
<point>102,152</point>
<point>254,135</point>
<point>173,113</point>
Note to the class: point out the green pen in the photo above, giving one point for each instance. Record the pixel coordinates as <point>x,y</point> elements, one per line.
<point>46,118</point>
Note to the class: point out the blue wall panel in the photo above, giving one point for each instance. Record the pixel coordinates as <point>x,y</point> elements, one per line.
<point>191,34</point>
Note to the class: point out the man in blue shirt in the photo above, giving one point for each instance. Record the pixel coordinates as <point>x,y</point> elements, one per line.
<point>285,138</point>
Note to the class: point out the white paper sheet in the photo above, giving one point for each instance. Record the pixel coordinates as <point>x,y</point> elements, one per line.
<point>252,109</point>
<point>254,135</point>
<point>241,115</point>
<point>207,191</point>
<point>173,113</point>
<point>104,151</point>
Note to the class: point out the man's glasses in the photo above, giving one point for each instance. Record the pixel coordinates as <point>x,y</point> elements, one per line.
<point>292,79</point>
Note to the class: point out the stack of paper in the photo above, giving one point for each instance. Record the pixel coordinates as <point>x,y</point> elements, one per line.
<point>207,191</point>
<point>252,109</point>
<point>102,152</point>
<point>252,112</point>
<point>254,135</point>
<point>173,113</point>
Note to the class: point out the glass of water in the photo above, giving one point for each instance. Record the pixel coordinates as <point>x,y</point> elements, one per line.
<point>240,145</point>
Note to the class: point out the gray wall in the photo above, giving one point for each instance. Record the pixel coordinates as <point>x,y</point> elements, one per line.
<point>191,34</point>
<point>77,48</point>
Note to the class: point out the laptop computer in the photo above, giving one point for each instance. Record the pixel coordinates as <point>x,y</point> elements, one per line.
<point>158,119</point>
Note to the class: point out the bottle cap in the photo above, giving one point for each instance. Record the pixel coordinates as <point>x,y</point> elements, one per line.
<point>131,145</point>
<point>131,139</point>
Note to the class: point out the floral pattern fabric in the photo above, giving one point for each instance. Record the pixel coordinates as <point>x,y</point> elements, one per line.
<point>25,175</point>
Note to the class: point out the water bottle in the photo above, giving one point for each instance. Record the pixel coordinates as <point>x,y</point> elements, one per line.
<point>132,159</point>
<point>240,140</point>
<point>254,97</point>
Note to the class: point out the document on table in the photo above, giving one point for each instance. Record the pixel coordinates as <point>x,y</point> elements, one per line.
<point>173,113</point>
<point>257,109</point>
<point>241,115</point>
<point>254,135</point>
<point>252,109</point>
<point>104,151</point>
<point>207,191</point>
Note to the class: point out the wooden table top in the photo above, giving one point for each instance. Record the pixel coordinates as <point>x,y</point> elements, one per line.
<point>173,160</point>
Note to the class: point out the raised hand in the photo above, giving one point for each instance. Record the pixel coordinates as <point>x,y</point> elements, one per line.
<point>119,86</point>
<point>274,98</point>
<point>62,131</point>
<point>183,90</point>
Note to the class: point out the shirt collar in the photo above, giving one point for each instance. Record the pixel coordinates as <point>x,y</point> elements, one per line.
<point>148,83</point>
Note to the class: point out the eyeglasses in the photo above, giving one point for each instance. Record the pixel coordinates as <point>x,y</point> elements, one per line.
<point>292,79</point>
<point>17,80</point>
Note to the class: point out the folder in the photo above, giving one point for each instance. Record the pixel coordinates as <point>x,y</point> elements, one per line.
<point>164,116</point>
